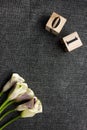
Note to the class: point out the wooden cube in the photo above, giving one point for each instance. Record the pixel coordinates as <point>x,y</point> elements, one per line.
<point>55,23</point>
<point>72,41</point>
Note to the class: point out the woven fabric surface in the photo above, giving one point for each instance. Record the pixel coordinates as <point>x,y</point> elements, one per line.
<point>58,78</point>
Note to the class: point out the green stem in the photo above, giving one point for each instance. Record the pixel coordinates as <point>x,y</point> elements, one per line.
<point>1,93</point>
<point>5,106</point>
<point>5,102</point>
<point>8,123</point>
<point>7,113</point>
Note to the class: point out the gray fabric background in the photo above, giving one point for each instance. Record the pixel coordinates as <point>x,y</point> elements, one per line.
<point>58,78</point>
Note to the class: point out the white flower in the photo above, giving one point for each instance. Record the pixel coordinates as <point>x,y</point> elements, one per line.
<point>14,79</point>
<point>30,108</point>
<point>26,96</point>
<point>20,88</point>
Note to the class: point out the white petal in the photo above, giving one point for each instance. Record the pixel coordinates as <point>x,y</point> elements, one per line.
<point>21,107</point>
<point>26,96</point>
<point>38,106</point>
<point>30,93</point>
<point>17,78</point>
<point>27,113</point>
<point>20,88</point>
<point>14,78</point>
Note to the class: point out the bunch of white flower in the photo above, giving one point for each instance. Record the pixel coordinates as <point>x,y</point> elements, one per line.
<point>19,92</point>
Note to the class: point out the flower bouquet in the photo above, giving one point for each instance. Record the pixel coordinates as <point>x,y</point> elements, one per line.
<point>20,92</point>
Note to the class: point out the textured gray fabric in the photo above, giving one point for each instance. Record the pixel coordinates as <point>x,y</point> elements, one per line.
<point>58,78</point>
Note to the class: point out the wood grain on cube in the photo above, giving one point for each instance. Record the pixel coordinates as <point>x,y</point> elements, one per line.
<point>55,23</point>
<point>72,41</point>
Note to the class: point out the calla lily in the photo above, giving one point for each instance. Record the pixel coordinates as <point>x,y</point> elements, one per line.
<point>14,79</point>
<point>30,108</point>
<point>20,92</point>
<point>19,89</point>
<point>26,96</point>
<point>28,105</point>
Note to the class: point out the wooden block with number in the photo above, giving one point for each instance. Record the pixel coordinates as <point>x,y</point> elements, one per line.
<point>55,23</point>
<point>72,41</point>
